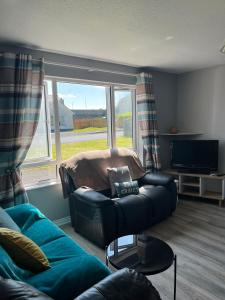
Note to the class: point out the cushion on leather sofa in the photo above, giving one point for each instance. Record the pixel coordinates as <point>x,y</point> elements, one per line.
<point>118,175</point>
<point>126,188</point>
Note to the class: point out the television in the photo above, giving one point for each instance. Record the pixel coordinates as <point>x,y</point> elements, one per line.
<point>195,155</point>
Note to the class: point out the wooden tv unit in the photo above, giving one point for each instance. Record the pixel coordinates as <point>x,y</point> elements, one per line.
<point>200,185</point>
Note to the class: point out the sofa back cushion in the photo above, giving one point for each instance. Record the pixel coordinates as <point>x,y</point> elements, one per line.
<point>6,221</point>
<point>90,168</point>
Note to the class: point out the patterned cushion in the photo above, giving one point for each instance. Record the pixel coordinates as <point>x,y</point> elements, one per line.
<point>120,174</point>
<point>126,188</point>
<point>25,253</point>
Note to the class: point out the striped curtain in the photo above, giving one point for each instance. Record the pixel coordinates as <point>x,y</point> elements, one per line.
<point>21,82</point>
<point>147,121</point>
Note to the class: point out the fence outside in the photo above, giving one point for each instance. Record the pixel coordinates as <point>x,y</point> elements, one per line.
<point>84,123</point>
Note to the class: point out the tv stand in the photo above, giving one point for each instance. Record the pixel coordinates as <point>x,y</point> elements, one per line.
<point>200,185</point>
<point>188,171</point>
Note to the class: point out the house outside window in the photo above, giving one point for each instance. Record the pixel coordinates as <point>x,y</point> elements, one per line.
<point>77,117</point>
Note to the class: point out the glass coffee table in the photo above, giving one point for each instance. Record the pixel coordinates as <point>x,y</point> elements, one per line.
<point>145,254</point>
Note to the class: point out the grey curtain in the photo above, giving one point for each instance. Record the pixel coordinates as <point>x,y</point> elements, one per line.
<point>21,83</point>
<point>147,121</point>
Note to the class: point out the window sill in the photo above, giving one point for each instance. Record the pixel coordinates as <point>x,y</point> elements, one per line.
<point>41,185</point>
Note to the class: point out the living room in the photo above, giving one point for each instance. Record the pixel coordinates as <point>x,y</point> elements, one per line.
<point>93,54</point>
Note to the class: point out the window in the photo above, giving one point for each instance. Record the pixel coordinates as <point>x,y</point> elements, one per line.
<point>83,118</point>
<point>77,117</point>
<point>124,107</point>
<point>40,163</point>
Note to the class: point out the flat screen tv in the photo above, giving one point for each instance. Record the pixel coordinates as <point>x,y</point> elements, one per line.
<point>195,155</point>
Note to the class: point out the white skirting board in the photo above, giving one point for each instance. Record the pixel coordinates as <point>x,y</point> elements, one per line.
<point>62,221</point>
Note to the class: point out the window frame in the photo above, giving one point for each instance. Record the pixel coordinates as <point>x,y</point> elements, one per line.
<point>110,108</point>
<point>134,114</point>
<point>42,160</point>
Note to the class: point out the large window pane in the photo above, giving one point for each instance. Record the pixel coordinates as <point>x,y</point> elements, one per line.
<point>123,118</point>
<point>82,118</point>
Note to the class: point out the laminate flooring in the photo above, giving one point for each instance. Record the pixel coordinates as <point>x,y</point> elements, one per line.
<point>196,233</point>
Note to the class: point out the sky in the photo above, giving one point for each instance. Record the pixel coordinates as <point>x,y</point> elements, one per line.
<point>82,96</point>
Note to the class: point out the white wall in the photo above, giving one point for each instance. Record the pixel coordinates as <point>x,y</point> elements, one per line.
<point>49,199</point>
<point>165,88</point>
<point>201,105</point>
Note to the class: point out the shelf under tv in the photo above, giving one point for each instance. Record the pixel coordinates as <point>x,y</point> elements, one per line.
<point>180,133</point>
<point>191,184</point>
<point>200,185</point>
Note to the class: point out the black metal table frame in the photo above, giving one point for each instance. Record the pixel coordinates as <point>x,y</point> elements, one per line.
<point>107,260</point>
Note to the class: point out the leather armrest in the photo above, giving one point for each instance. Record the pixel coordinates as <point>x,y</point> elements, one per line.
<point>91,197</point>
<point>156,179</point>
<point>67,183</point>
<point>17,290</point>
<point>123,284</point>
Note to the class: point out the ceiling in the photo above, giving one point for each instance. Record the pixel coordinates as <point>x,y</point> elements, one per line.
<point>171,35</point>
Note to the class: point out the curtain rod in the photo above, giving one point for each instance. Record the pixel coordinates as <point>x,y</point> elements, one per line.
<point>90,69</point>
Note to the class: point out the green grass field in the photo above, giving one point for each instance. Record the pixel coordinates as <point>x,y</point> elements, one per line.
<point>71,149</point>
<point>90,129</point>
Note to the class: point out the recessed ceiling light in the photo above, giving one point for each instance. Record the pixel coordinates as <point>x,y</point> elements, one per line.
<point>169,38</point>
<point>133,49</point>
<point>222,50</point>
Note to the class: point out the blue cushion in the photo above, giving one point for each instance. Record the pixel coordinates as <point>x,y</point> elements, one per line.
<point>6,221</point>
<point>24,215</point>
<point>72,271</point>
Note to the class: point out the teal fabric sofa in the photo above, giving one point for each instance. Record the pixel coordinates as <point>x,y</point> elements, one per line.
<point>72,269</point>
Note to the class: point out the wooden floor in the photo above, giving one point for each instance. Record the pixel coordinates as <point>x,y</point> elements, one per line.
<point>196,232</point>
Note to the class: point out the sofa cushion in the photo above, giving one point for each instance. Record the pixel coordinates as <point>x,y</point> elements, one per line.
<point>126,188</point>
<point>133,207</point>
<point>23,250</point>
<point>71,267</point>
<point>17,290</point>
<point>6,221</point>
<point>24,215</point>
<point>120,174</point>
<point>158,199</point>
<point>149,207</point>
